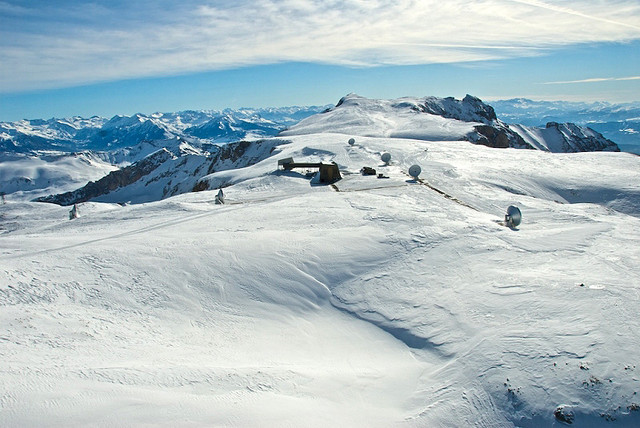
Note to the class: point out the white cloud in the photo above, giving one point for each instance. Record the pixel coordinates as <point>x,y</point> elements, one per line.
<point>594,80</point>
<point>50,45</point>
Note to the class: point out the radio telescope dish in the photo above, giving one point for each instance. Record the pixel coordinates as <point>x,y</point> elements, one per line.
<point>386,157</point>
<point>415,171</point>
<point>352,141</point>
<point>513,216</point>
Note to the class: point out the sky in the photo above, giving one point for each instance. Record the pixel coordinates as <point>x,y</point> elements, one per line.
<point>107,57</point>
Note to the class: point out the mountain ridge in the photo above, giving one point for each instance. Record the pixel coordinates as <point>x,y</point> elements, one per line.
<point>468,119</point>
<point>173,156</point>
<point>222,126</point>
<point>102,134</point>
<point>617,122</point>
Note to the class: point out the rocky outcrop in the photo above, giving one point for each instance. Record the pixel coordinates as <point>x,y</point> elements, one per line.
<point>499,137</point>
<point>236,155</point>
<point>445,119</point>
<point>241,154</point>
<point>581,139</point>
<point>116,179</point>
<point>469,109</point>
<point>167,173</point>
<point>494,133</point>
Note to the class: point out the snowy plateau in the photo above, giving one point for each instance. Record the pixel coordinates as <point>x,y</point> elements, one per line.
<point>374,301</point>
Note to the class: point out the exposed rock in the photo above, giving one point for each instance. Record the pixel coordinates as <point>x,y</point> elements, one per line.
<point>469,109</point>
<point>201,186</point>
<point>470,120</point>
<point>498,136</point>
<point>165,173</point>
<point>564,414</point>
<point>250,152</point>
<point>581,139</point>
<point>116,179</point>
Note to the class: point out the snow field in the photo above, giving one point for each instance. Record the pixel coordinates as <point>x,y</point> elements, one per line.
<point>383,303</point>
<point>27,177</point>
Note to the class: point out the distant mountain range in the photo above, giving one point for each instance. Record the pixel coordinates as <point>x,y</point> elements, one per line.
<point>141,158</point>
<point>176,153</point>
<point>617,122</point>
<point>101,134</point>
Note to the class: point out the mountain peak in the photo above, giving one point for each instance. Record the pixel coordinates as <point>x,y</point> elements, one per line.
<point>442,119</point>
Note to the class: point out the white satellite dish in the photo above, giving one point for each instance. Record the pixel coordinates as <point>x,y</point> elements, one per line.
<point>513,216</point>
<point>415,171</point>
<point>386,157</point>
<point>352,141</point>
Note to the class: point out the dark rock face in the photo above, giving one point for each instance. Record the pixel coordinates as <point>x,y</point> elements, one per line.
<point>114,180</point>
<point>564,414</point>
<point>492,137</point>
<point>250,152</point>
<point>480,108</point>
<point>581,139</point>
<point>500,137</point>
<point>201,186</point>
<point>469,109</point>
<point>171,173</point>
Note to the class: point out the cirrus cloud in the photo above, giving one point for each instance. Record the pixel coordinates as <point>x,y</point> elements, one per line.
<point>45,45</point>
<point>594,80</point>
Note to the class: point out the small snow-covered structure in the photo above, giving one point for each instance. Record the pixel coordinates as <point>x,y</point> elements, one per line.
<point>329,172</point>
<point>74,212</point>
<point>220,197</point>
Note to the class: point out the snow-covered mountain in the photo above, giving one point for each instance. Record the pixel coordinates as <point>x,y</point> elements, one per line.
<point>177,162</point>
<point>564,138</point>
<point>45,157</point>
<point>375,302</point>
<point>101,134</point>
<point>535,113</point>
<point>617,122</point>
<point>26,177</point>
<point>166,172</point>
<point>448,119</point>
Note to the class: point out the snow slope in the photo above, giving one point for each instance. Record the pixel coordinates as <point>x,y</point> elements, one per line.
<point>446,119</point>
<point>401,118</point>
<point>617,122</point>
<point>168,171</point>
<point>377,302</point>
<point>26,177</point>
<point>193,137</point>
<point>561,138</point>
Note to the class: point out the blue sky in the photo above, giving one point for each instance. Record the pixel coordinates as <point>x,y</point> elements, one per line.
<point>103,57</point>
